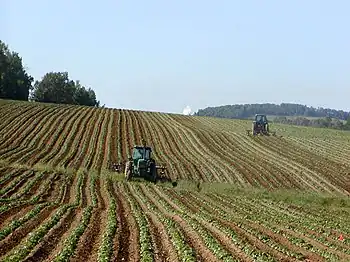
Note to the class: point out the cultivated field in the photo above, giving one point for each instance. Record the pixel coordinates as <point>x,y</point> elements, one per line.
<point>260,199</point>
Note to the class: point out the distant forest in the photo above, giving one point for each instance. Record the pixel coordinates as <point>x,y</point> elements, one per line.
<point>301,114</point>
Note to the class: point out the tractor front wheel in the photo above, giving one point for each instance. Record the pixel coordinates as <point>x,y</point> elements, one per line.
<point>128,173</point>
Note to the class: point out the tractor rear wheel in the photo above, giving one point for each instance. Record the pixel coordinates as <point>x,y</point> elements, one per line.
<point>153,173</point>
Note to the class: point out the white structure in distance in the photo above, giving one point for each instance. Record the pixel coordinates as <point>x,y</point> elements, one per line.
<point>187,111</point>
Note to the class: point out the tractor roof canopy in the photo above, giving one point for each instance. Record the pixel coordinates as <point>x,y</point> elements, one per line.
<point>143,147</point>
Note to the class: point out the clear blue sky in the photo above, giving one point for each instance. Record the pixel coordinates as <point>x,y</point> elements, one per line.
<point>162,55</point>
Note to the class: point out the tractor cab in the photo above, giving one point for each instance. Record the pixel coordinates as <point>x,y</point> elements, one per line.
<point>260,126</point>
<point>141,152</point>
<point>142,163</point>
<point>260,119</point>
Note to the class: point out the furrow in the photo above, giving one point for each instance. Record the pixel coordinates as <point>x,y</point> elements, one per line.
<point>47,140</point>
<point>126,247</point>
<point>163,248</point>
<point>158,147</point>
<point>60,142</point>
<point>30,141</point>
<point>87,249</point>
<point>95,140</point>
<point>73,143</point>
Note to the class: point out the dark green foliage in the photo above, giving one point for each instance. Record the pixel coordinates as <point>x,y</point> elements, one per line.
<point>286,113</point>
<point>83,96</point>
<point>284,109</point>
<point>15,83</point>
<point>318,122</point>
<point>56,87</point>
<point>347,124</point>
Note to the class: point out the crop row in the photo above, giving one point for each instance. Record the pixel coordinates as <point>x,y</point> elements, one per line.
<point>113,220</point>
<point>193,148</point>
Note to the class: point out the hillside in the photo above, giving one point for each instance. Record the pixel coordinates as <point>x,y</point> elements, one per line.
<point>61,200</point>
<point>198,148</point>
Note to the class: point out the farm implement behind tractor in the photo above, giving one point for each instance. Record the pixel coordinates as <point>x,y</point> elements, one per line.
<point>260,126</point>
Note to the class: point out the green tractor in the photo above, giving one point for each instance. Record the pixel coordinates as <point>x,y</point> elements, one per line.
<point>141,164</point>
<point>260,126</point>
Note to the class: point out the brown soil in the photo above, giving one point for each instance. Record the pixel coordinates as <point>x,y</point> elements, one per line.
<point>16,113</point>
<point>34,189</point>
<point>226,242</point>
<point>113,138</point>
<point>73,142</point>
<point>192,238</point>
<point>21,212</point>
<point>78,156</point>
<point>120,137</point>
<point>95,141</point>
<point>174,150</point>
<point>285,242</point>
<point>153,139</point>
<point>254,241</point>
<point>123,231</point>
<point>278,238</point>
<point>72,190</point>
<point>51,136</point>
<point>54,236</point>
<point>19,133</point>
<point>50,191</point>
<point>19,185</point>
<point>13,211</point>
<point>125,140</point>
<point>69,229</point>
<point>136,128</point>
<point>134,237</point>
<point>85,196</point>
<point>66,192</point>
<point>104,140</point>
<point>15,173</point>
<point>16,237</point>
<point>202,252</point>
<point>87,249</point>
<point>333,239</point>
<point>319,245</point>
<point>126,243</point>
<point>222,238</point>
<point>163,247</point>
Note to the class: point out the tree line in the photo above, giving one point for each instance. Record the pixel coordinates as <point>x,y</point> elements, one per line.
<point>54,87</point>
<point>326,122</point>
<point>322,117</point>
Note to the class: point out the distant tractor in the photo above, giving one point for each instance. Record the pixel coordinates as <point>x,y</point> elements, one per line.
<point>260,126</point>
<point>141,164</point>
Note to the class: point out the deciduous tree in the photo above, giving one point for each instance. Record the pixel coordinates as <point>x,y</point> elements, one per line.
<point>56,87</point>
<point>15,83</point>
